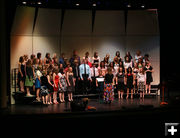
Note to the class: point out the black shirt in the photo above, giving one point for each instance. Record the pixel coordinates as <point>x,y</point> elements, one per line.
<point>109,78</point>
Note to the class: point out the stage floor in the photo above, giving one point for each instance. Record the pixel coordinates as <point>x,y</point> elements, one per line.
<point>61,108</point>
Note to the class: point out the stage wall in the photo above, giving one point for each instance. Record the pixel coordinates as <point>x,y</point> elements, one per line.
<point>49,32</point>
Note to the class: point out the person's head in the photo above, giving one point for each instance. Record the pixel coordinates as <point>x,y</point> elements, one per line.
<point>75,53</point>
<point>29,63</point>
<point>55,70</point>
<point>76,63</point>
<point>47,55</point>
<point>32,56</point>
<point>49,72</point>
<point>127,59</point>
<point>115,59</point>
<point>140,60</point>
<point>95,54</point>
<point>60,66</point>
<point>83,61</point>
<point>120,70</point>
<point>109,70</point>
<point>128,53</point>
<point>70,69</point>
<point>107,56</point>
<point>111,65</point>
<point>44,72</point>
<point>148,63</point>
<point>135,65</point>
<point>61,70</point>
<point>62,55</point>
<point>39,55</point>
<point>54,56</point>
<point>68,64</point>
<point>129,70</point>
<point>87,54</point>
<point>138,52</point>
<point>117,53</point>
<point>102,64</point>
<point>25,57</point>
<point>35,61</point>
<point>121,63</point>
<point>141,70</point>
<point>100,72</point>
<point>21,59</point>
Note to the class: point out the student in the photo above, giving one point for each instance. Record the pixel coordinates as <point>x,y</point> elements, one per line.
<point>120,81</point>
<point>62,84</point>
<point>39,60</point>
<point>62,60</point>
<point>103,68</point>
<point>129,82</point>
<point>87,57</point>
<point>108,86</point>
<point>47,60</point>
<point>96,59</point>
<point>38,75</point>
<point>137,56</point>
<point>135,71</point>
<point>128,54</point>
<point>118,56</point>
<point>141,81</point>
<point>21,73</point>
<point>56,85</point>
<point>29,77</point>
<point>44,88</point>
<point>94,74</point>
<point>76,76</point>
<point>75,56</point>
<point>71,83</point>
<point>127,63</point>
<point>116,65</point>
<point>140,63</point>
<point>50,85</point>
<point>148,70</point>
<point>85,75</point>
<point>55,60</point>
<point>100,83</point>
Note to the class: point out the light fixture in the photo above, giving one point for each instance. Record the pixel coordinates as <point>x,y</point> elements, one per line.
<point>24,2</point>
<point>94,5</point>
<point>77,4</point>
<point>39,3</point>
<point>142,6</point>
<point>128,5</point>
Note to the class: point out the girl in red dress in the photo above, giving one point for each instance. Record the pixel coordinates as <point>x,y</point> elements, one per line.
<point>56,85</point>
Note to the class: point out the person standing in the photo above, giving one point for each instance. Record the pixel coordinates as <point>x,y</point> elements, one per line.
<point>85,75</point>
<point>94,74</point>
<point>62,84</point>
<point>141,81</point>
<point>76,74</point>
<point>148,70</point>
<point>29,77</point>
<point>129,82</point>
<point>56,85</point>
<point>120,82</point>
<point>71,84</point>
<point>21,73</point>
<point>108,86</point>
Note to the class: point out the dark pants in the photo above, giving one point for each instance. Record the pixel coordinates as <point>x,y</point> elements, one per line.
<point>93,85</point>
<point>85,84</point>
<point>77,86</point>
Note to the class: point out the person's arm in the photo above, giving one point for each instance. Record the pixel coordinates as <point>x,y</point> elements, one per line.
<point>19,69</point>
<point>48,77</point>
<point>116,80</point>
<point>54,79</point>
<point>89,72</point>
<point>96,83</point>
<point>68,79</point>
<point>113,80</point>
<point>74,80</point>
<point>80,72</point>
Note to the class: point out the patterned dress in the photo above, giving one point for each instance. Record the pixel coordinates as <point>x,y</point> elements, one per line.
<point>63,83</point>
<point>108,88</point>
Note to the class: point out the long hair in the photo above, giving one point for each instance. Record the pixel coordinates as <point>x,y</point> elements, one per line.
<point>109,70</point>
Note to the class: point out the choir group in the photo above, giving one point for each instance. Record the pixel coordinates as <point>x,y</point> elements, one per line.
<point>50,77</point>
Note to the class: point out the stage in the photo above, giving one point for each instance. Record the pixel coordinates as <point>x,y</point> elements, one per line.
<point>65,108</point>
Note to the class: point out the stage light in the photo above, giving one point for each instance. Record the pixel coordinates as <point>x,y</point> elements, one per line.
<point>142,6</point>
<point>39,3</point>
<point>77,4</point>
<point>94,5</point>
<point>24,2</point>
<point>129,6</point>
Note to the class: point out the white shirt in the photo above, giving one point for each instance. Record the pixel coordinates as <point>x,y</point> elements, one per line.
<point>137,57</point>
<point>141,77</point>
<point>92,72</point>
<point>127,64</point>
